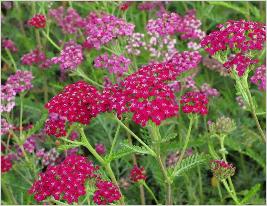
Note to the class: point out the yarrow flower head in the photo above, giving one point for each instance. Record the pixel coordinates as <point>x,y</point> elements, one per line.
<point>5,127</point>
<point>221,169</point>
<point>194,102</point>
<point>102,28</point>
<point>240,63</point>
<point>70,57</point>
<point>38,21</point>
<point>6,164</point>
<point>20,81</point>
<point>106,193</point>
<point>145,94</point>
<point>69,21</point>
<point>100,149</point>
<point>114,64</point>
<point>241,35</point>
<point>10,45</point>
<point>55,125</point>
<point>77,103</point>
<point>7,98</point>
<point>172,23</point>
<point>137,174</point>
<point>34,57</point>
<point>65,181</point>
<point>259,77</point>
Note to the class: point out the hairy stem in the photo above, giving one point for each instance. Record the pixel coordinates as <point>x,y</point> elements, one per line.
<point>150,192</point>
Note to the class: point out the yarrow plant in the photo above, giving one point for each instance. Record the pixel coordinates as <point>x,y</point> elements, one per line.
<point>115,101</point>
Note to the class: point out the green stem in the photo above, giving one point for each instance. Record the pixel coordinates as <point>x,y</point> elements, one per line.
<point>115,139</point>
<point>150,191</point>
<point>80,73</point>
<point>135,136</point>
<point>157,137</point>
<point>230,192</point>
<point>107,167</point>
<point>220,192</point>
<point>12,59</point>
<point>185,144</point>
<point>51,41</point>
<point>253,110</point>
<point>200,184</point>
<point>58,202</point>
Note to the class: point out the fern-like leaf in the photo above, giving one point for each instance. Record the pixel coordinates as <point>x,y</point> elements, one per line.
<point>250,194</point>
<point>135,148</point>
<point>189,163</point>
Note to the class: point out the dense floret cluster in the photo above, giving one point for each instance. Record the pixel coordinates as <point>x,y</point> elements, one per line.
<point>64,181</point>
<point>222,169</point>
<point>137,174</point>
<point>194,102</point>
<point>37,21</point>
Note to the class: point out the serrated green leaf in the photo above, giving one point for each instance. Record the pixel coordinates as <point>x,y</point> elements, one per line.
<point>169,137</point>
<point>250,194</point>
<point>189,163</point>
<point>66,147</point>
<point>120,153</point>
<point>135,148</point>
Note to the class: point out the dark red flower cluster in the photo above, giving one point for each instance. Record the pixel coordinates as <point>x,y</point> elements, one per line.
<point>106,193</point>
<point>241,34</point>
<point>240,62</point>
<point>222,169</point>
<point>65,181</point>
<point>137,173</point>
<point>100,149</point>
<point>55,125</point>
<point>10,45</point>
<point>145,94</point>
<point>78,103</point>
<point>38,21</point>
<point>194,102</point>
<point>6,164</point>
<point>34,57</point>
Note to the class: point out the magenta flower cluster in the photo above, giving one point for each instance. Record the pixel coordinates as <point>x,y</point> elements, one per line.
<point>34,57</point>
<point>69,21</point>
<point>64,181</point>
<point>114,64</point>
<point>137,174</point>
<point>106,193</point>
<point>70,57</point>
<point>259,77</point>
<point>6,164</point>
<point>100,149</point>
<point>10,45</point>
<point>102,28</point>
<point>242,35</point>
<point>240,62</point>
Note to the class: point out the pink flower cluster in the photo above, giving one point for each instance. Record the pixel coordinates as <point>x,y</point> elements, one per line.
<point>106,193</point>
<point>259,77</point>
<point>70,57</point>
<point>64,181</point>
<point>16,83</point>
<point>222,169</point>
<point>34,57</point>
<point>208,90</point>
<point>10,45</point>
<point>240,62</point>
<point>20,81</point>
<point>100,149</point>
<point>194,102</point>
<point>5,127</point>
<point>137,174</point>
<point>37,21</point>
<point>242,35</point>
<point>69,21</point>
<point>102,28</point>
<point>135,42</point>
<point>6,164</point>
<point>115,64</point>
<point>148,6</point>
<point>185,61</point>
<point>172,23</point>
